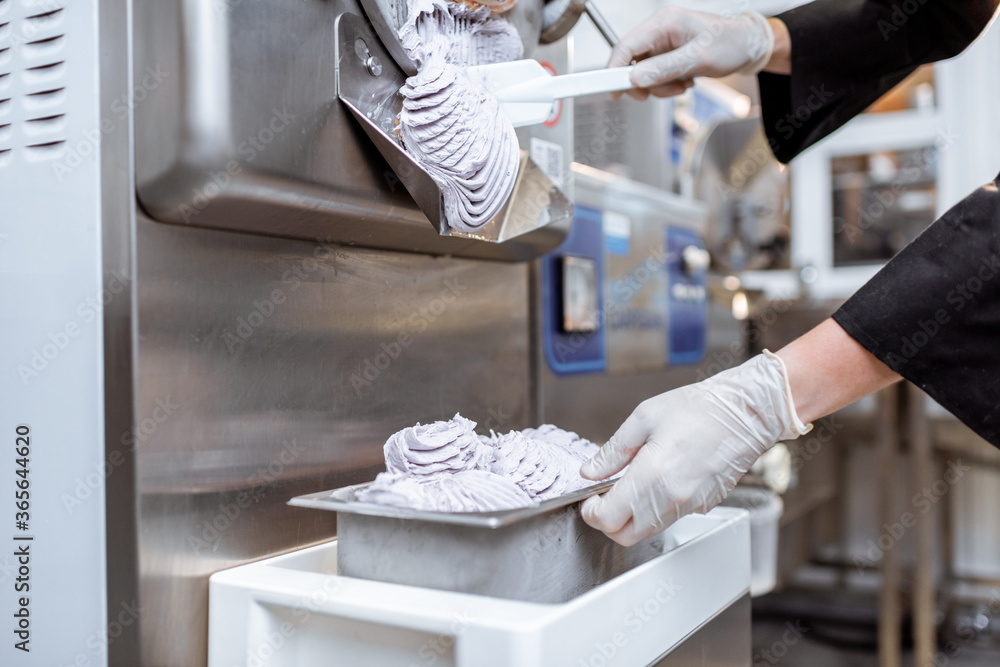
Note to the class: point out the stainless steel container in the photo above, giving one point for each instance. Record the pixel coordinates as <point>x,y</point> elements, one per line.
<point>544,553</point>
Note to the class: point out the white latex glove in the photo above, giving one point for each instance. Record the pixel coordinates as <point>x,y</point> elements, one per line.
<point>686,449</point>
<point>674,45</point>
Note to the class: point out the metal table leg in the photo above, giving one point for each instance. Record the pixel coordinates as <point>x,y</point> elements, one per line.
<point>921,466</point>
<point>888,457</point>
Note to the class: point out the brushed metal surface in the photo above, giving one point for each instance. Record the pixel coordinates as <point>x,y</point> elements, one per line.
<point>118,316</point>
<point>240,128</point>
<point>549,558</point>
<point>269,368</point>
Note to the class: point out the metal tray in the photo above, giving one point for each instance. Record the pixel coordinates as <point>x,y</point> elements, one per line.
<point>342,500</point>
<point>544,553</point>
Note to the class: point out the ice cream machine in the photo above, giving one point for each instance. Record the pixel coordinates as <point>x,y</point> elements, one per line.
<point>260,269</point>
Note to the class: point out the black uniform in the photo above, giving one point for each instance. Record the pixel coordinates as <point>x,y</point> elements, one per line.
<point>933,313</point>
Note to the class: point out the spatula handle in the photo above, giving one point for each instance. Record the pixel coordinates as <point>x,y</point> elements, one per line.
<point>591,83</point>
<point>549,89</point>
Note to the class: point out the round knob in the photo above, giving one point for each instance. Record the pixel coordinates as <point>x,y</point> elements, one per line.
<point>374,66</point>
<point>695,259</point>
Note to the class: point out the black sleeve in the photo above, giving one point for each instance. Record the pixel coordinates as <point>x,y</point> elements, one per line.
<point>932,314</point>
<point>847,53</point>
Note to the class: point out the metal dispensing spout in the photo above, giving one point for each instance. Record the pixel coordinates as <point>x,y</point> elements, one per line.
<point>368,83</point>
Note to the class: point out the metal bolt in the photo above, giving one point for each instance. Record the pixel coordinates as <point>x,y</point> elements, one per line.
<point>374,66</point>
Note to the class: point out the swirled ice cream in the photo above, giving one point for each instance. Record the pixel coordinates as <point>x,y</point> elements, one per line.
<point>455,128</point>
<point>445,466</point>
<point>541,468</point>
<point>442,447</point>
<point>567,439</point>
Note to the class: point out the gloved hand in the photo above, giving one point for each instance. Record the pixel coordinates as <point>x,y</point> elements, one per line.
<point>675,45</point>
<point>686,449</point>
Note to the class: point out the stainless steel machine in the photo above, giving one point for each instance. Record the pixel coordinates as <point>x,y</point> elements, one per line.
<point>226,297</point>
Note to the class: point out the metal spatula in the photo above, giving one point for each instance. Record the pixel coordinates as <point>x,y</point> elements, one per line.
<point>527,90</point>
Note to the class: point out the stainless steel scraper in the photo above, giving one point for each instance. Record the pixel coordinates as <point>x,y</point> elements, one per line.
<point>527,90</point>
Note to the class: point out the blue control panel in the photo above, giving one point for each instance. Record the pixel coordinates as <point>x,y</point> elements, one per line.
<point>687,299</point>
<point>624,295</point>
<point>571,350</point>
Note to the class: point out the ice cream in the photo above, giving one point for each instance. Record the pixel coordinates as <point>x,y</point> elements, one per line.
<point>567,439</point>
<point>465,491</point>
<point>445,466</point>
<point>463,34</point>
<point>442,447</point>
<point>455,128</point>
<point>542,469</point>
<point>459,133</point>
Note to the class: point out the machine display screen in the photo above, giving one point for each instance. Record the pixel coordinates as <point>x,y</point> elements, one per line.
<point>579,294</point>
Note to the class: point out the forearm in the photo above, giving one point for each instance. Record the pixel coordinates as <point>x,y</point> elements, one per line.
<point>828,370</point>
<point>842,55</point>
<point>781,56</point>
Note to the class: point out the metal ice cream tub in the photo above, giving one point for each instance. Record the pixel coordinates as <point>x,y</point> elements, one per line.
<point>543,553</point>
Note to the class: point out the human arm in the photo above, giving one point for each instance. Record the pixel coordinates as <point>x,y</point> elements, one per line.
<point>689,447</point>
<point>830,59</point>
<point>828,370</point>
<point>845,54</point>
<point>780,61</point>
<point>932,315</point>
